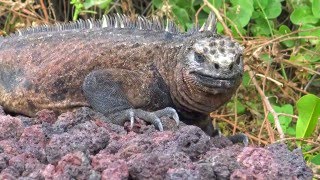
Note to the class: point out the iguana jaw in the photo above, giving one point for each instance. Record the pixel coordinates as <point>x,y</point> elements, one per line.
<point>216,82</point>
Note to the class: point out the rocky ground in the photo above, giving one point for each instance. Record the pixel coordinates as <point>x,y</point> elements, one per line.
<point>81,145</point>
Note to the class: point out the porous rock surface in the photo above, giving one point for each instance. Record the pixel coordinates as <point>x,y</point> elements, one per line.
<point>81,145</point>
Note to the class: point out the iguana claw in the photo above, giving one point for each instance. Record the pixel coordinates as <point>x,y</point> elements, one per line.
<point>170,112</point>
<point>131,116</point>
<point>153,117</point>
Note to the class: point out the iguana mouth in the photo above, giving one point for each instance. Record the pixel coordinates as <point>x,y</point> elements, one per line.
<point>214,81</point>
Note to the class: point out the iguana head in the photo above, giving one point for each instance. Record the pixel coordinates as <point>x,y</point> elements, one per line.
<point>215,64</point>
<point>210,70</point>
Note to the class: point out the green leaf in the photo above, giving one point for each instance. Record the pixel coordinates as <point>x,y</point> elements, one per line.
<point>246,79</point>
<point>283,29</point>
<point>181,14</point>
<point>219,28</point>
<point>157,3</point>
<point>306,147</point>
<point>316,8</point>
<point>235,32</point>
<point>197,2</point>
<point>303,15</point>
<point>266,57</point>
<point>285,121</point>
<point>256,15</point>
<point>273,9</point>
<point>260,27</point>
<point>216,3</point>
<point>263,4</point>
<point>182,3</point>
<point>310,56</point>
<point>316,159</point>
<point>309,111</point>
<point>253,106</point>
<point>313,31</point>
<point>241,109</point>
<point>297,58</point>
<point>103,4</point>
<point>295,4</point>
<point>291,131</point>
<point>240,12</point>
<point>78,8</point>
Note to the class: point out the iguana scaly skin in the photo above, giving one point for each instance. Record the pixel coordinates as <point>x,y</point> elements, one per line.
<point>121,68</point>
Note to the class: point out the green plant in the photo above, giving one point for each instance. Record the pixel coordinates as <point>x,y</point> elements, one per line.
<point>309,111</point>
<point>83,6</point>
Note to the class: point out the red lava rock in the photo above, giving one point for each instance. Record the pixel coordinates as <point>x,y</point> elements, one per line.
<point>133,144</point>
<point>274,162</point>
<point>160,138</point>
<point>181,173</point>
<point>48,171</point>
<point>7,176</point>
<point>102,161</point>
<point>22,165</point>
<point>223,161</point>
<point>156,164</point>
<point>27,121</point>
<point>46,115</point>
<point>193,141</point>
<point>9,147</point>
<point>33,141</point>
<point>82,145</point>
<point>85,137</point>
<point>116,170</point>
<point>4,161</point>
<point>72,166</point>
<point>65,119</point>
<point>10,127</point>
<point>111,166</point>
<point>16,165</point>
<point>32,167</point>
<point>2,111</point>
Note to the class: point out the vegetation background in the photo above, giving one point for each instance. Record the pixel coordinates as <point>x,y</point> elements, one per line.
<point>279,97</point>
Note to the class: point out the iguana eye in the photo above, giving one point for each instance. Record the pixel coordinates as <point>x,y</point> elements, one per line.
<point>199,58</point>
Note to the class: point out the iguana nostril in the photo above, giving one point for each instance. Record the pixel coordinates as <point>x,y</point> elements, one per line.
<point>238,59</point>
<point>216,66</point>
<point>231,66</point>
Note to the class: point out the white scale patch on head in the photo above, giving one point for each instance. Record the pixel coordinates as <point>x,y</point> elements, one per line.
<point>222,51</point>
<point>191,62</point>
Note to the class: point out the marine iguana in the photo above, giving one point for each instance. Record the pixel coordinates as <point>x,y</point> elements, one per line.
<point>122,69</point>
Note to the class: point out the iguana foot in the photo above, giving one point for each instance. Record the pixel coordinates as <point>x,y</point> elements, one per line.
<point>150,117</point>
<point>239,138</point>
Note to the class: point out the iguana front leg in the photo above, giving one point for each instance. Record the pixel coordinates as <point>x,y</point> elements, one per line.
<point>121,94</point>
